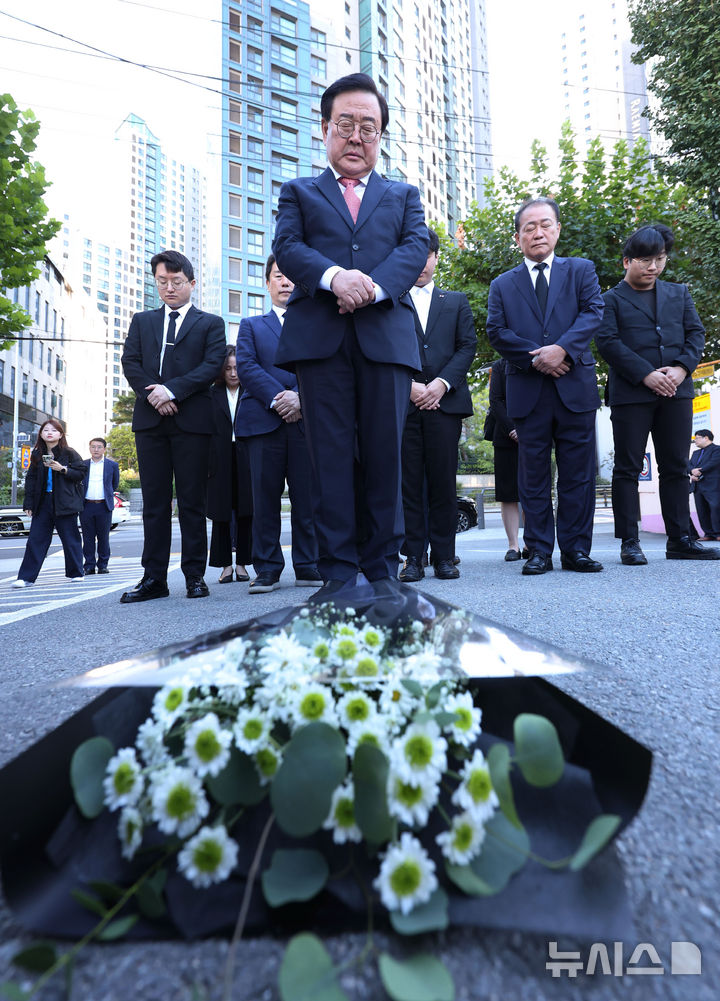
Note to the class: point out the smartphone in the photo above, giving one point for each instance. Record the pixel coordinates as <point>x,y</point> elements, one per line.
<point>47,458</point>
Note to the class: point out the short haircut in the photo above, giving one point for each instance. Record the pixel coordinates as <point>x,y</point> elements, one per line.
<point>354,81</point>
<point>269,265</point>
<point>649,241</point>
<point>434,244</point>
<point>706,433</point>
<point>541,200</point>
<point>173,261</point>
<point>101,440</point>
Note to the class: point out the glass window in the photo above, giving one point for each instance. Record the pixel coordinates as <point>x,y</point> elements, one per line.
<point>255,148</point>
<point>235,302</point>
<point>255,59</point>
<point>235,112</point>
<point>255,242</point>
<point>256,305</point>
<point>235,237</point>
<point>255,118</point>
<point>235,52</point>
<point>318,66</point>
<point>255,88</point>
<point>288,137</point>
<point>318,38</point>
<point>283,80</point>
<point>255,180</point>
<point>283,108</point>
<point>234,20</point>
<point>285,53</point>
<point>235,143</point>
<point>235,173</point>
<point>256,274</point>
<point>255,210</point>
<point>235,84</point>
<point>283,25</point>
<point>235,269</point>
<point>235,205</point>
<point>285,166</point>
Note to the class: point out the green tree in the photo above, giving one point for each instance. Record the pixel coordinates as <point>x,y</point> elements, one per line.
<point>24,226</point>
<point>601,200</point>
<point>680,37</point>
<point>475,454</point>
<point>123,408</point>
<point>122,446</point>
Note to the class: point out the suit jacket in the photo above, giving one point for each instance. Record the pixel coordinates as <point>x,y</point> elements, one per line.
<point>198,356</point>
<point>709,483</point>
<point>516,326</point>
<point>634,343</point>
<point>389,242</point>
<point>447,347</point>
<point>262,380</point>
<point>220,485</point>
<point>111,480</point>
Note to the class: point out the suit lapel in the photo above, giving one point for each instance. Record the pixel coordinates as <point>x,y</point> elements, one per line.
<point>523,283</point>
<point>437,301</point>
<point>559,275</point>
<point>374,190</point>
<point>273,322</point>
<point>191,318</point>
<point>623,290</point>
<point>328,185</point>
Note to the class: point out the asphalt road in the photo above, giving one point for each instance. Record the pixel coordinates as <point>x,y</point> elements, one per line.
<point>653,637</point>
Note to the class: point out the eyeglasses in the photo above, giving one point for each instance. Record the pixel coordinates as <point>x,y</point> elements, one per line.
<point>345,128</point>
<point>647,261</point>
<point>175,282</point>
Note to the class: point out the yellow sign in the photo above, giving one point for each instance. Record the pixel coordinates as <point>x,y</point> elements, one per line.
<point>25,457</point>
<point>704,371</point>
<point>701,403</point>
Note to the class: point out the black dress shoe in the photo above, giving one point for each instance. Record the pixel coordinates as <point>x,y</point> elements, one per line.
<point>343,593</point>
<point>102,570</point>
<point>512,556</point>
<point>685,549</point>
<point>525,553</point>
<point>446,570</point>
<point>147,589</point>
<point>412,570</point>
<point>196,587</point>
<point>265,581</point>
<point>580,562</point>
<point>89,570</point>
<point>308,577</point>
<point>631,554</point>
<point>537,564</point>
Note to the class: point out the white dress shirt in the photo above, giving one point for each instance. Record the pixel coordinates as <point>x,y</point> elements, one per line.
<point>422,297</point>
<point>182,310</point>
<point>530,265</point>
<point>95,487</point>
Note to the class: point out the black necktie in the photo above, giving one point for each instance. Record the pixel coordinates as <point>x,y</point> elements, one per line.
<point>541,286</point>
<point>166,370</point>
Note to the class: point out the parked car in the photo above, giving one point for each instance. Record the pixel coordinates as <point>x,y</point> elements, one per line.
<point>466,515</point>
<point>14,521</point>
<point>121,511</point>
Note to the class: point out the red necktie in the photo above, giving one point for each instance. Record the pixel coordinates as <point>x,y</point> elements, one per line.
<point>351,199</point>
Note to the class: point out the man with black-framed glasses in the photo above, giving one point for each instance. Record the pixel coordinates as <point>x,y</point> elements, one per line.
<point>171,357</point>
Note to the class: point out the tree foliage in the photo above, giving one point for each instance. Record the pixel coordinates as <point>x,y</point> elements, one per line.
<point>602,199</point>
<point>122,446</point>
<point>24,226</point>
<point>681,39</point>
<point>123,408</point>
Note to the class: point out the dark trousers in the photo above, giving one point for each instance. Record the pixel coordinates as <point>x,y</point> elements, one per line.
<point>669,420</point>
<point>355,408</point>
<point>573,435</point>
<point>165,452</point>
<point>95,522</point>
<point>278,456</point>
<point>708,512</point>
<point>429,453</point>
<point>41,529</point>
<point>235,534</point>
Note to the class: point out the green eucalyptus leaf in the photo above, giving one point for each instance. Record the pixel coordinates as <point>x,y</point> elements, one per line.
<point>313,766</point>
<point>118,928</point>
<point>109,892</point>
<point>433,694</point>
<point>597,835</point>
<point>307,972</point>
<point>238,782</point>
<point>37,958</point>
<point>414,687</point>
<point>87,773</point>
<point>498,760</point>
<point>422,978</point>
<point>430,916</point>
<point>445,718</point>
<point>464,878</point>
<point>150,895</point>
<point>13,991</point>
<point>537,750</point>
<point>504,852</point>
<point>89,903</point>
<point>370,772</point>
<point>294,874</point>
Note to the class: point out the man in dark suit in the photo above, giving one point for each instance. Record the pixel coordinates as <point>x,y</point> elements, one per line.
<point>652,339</point>
<point>543,327</point>
<point>439,399</point>
<point>270,420</point>
<point>102,477</point>
<point>354,244</point>
<point>705,482</point>
<point>171,357</point>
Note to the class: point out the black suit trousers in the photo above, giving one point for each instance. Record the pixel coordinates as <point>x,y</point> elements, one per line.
<point>669,421</point>
<point>429,452</point>
<point>165,452</point>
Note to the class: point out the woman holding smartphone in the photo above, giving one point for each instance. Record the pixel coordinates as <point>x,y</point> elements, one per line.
<point>54,498</point>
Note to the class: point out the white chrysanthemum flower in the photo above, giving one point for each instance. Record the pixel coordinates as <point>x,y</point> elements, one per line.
<point>207,745</point>
<point>208,857</point>
<point>396,702</point>
<point>365,669</point>
<point>373,637</point>
<point>123,783</point>
<point>251,730</point>
<point>407,875</point>
<point>312,703</point>
<point>373,732</point>
<point>341,819</point>
<point>130,831</point>
<point>267,762</point>
<point>151,745</point>
<point>355,708</point>
<point>282,651</point>
<point>169,703</point>
<point>475,792</point>
<point>345,647</point>
<point>462,843</point>
<point>411,802</point>
<point>419,753</point>
<point>466,728</point>
<point>178,801</point>
<point>423,666</point>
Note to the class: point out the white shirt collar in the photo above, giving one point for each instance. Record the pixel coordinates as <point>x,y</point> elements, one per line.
<point>182,310</point>
<point>529,264</point>
<point>420,289</point>
<point>363,180</point>
<point>279,311</point>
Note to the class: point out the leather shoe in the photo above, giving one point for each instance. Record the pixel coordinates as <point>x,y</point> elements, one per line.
<point>631,554</point>
<point>580,562</point>
<point>343,593</point>
<point>103,570</point>
<point>512,555</point>
<point>537,563</point>
<point>147,589</point>
<point>685,549</point>
<point>446,570</point>
<point>412,570</point>
<point>91,570</point>
<point>196,587</point>
<point>265,581</point>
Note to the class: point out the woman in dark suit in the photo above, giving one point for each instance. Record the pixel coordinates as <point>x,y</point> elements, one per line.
<point>54,496</point>
<point>229,497</point>
<point>505,460</point>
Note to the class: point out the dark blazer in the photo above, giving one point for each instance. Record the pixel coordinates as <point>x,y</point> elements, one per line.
<point>262,380</point>
<point>634,343</point>
<point>111,480</point>
<point>709,483</point>
<point>389,241</point>
<point>68,492</point>
<point>219,493</point>
<point>498,407</point>
<point>198,354</point>
<point>447,347</point>
<point>516,326</point>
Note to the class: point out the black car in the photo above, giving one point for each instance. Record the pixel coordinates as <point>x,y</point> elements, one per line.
<point>466,515</point>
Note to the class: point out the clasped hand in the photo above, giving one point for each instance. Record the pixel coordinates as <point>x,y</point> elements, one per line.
<point>287,406</point>
<point>353,290</point>
<point>158,398</point>
<point>664,381</point>
<point>550,360</point>
<point>427,397</point>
